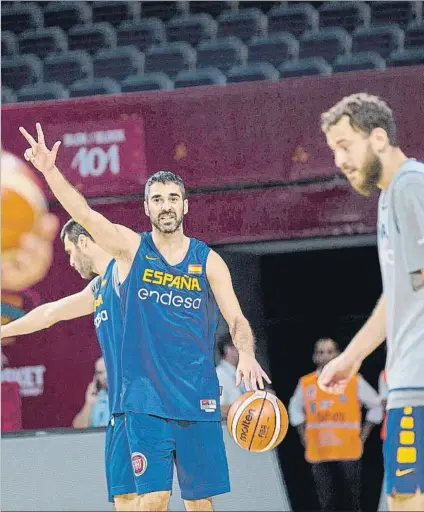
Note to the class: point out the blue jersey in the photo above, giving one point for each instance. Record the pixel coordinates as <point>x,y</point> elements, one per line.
<point>109,327</point>
<point>170,320</point>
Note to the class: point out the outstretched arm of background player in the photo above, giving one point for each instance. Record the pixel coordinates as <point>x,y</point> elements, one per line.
<point>42,317</point>
<point>337,373</point>
<point>220,280</point>
<point>118,241</point>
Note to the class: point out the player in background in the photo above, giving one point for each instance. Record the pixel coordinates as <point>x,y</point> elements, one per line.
<point>361,132</point>
<point>100,298</point>
<point>171,288</point>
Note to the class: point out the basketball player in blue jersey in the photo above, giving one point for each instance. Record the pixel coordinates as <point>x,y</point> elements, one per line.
<point>361,132</point>
<point>101,298</point>
<point>171,288</point>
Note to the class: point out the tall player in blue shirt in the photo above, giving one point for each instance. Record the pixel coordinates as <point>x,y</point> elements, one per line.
<point>101,298</point>
<point>171,288</point>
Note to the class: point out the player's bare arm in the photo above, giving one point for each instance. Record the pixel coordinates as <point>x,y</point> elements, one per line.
<point>42,317</point>
<point>220,280</point>
<point>118,241</point>
<point>336,374</point>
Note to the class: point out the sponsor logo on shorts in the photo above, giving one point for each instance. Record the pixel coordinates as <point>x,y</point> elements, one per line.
<point>208,405</point>
<point>403,472</point>
<point>139,463</point>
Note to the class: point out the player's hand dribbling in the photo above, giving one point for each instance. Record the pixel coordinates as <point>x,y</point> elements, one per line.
<point>42,158</point>
<point>251,372</point>
<point>337,373</point>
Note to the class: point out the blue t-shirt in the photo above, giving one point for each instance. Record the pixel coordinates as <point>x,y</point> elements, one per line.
<point>170,319</point>
<point>109,327</point>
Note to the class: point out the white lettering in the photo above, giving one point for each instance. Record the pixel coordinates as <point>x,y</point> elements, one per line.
<point>96,161</point>
<point>29,378</point>
<point>101,316</point>
<point>170,298</point>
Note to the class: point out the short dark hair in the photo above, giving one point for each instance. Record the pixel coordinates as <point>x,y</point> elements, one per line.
<point>365,113</point>
<point>164,176</point>
<point>224,341</point>
<point>73,230</point>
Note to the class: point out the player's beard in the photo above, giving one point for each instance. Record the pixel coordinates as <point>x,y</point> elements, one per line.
<point>85,267</point>
<point>168,227</point>
<point>370,172</point>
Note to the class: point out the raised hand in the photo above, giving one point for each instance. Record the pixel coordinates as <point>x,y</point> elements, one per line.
<point>42,158</point>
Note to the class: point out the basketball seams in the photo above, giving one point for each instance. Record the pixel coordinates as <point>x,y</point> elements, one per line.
<point>277,423</point>
<point>239,412</point>
<point>257,421</point>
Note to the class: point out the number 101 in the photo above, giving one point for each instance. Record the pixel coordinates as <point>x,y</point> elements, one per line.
<point>95,161</point>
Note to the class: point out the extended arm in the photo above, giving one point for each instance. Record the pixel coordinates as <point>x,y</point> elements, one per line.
<point>42,317</point>
<point>220,280</point>
<point>118,241</point>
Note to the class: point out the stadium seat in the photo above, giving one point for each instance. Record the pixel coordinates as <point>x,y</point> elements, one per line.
<point>411,57</point>
<point>43,92</point>
<point>163,10</point>
<point>191,29</point>
<point>21,16</point>
<point>7,95</point>
<point>243,24</point>
<point>263,6</point>
<point>68,67</point>
<point>41,43</point>
<point>252,73</point>
<point>293,18</point>
<point>223,53</point>
<point>383,39</point>
<point>21,70</point>
<point>118,63</point>
<point>305,67</point>
<point>214,8</point>
<point>66,14</point>
<point>274,49</point>
<point>94,87</point>
<point>147,82</point>
<point>92,38</point>
<point>141,34</point>
<point>9,44</point>
<point>115,12</point>
<point>414,35</point>
<point>347,15</point>
<point>207,76</point>
<point>327,43</point>
<point>393,11</point>
<point>359,61</point>
<point>170,58</point>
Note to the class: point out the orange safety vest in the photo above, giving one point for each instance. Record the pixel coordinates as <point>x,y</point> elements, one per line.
<point>333,422</point>
<point>383,431</point>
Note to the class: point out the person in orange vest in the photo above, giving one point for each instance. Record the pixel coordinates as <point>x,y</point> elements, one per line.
<point>330,430</point>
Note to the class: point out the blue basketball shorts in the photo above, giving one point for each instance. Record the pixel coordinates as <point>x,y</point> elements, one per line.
<point>404,451</point>
<point>196,447</point>
<point>119,473</point>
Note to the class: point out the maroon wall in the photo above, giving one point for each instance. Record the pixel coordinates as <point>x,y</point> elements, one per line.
<point>214,137</point>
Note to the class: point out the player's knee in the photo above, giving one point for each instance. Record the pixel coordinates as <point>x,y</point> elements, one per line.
<point>125,502</point>
<point>406,502</point>
<point>201,505</point>
<point>157,501</point>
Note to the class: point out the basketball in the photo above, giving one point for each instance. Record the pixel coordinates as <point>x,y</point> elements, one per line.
<point>257,421</point>
<point>22,201</point>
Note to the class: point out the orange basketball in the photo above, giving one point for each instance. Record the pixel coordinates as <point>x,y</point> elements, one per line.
<point>22,201</point>
<point>258,421</point>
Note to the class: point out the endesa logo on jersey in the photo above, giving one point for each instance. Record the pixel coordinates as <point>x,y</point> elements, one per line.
<point>101,316</point>
<point>175,283</point>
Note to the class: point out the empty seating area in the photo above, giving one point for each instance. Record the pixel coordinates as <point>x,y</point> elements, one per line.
<point>56,50</point>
